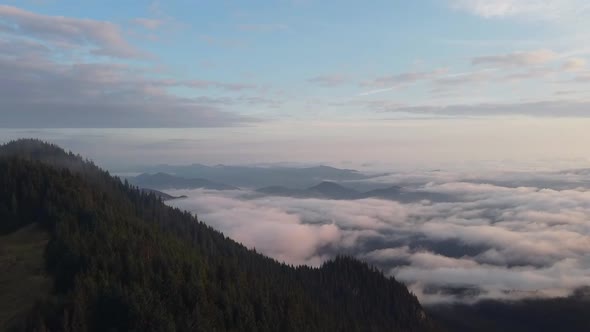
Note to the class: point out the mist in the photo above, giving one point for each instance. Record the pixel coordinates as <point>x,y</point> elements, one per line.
<point>493,242</point>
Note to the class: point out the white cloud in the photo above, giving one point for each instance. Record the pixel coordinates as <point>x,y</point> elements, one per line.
<point>528,9</point>
<point>328,80</point>
<point>545,108</point>
<point>504,242</point>
<point>148,23</point>
<point>403,78</point>
<point>516,59</point>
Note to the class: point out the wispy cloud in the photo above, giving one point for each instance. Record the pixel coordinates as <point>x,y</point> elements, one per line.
<point>329,80</point>
<point>547,108</point>
<point>574,64</point>
<point>516,59</point>
<point>392,82</point>
<point>553,10</point>
<point>148,23</point>
<point>263,27</point>
<point>105,38</point>
<point>38,91</point>
<point>403,78</point>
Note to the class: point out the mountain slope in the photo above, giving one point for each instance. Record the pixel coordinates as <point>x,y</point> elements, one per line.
<point>162,195</point>
<point>23,278</point>
<point>121,260</point>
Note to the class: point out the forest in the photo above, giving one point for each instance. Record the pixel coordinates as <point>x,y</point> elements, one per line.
<point>116,258</point>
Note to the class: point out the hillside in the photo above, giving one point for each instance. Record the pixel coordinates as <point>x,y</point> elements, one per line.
<point>120,260</point>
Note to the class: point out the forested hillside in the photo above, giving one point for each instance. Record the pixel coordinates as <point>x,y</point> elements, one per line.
<point>121,260</point>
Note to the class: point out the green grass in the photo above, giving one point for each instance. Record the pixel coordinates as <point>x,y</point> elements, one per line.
<point>22,277</point>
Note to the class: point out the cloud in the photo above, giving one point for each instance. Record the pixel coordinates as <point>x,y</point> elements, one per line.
<point>328,80</point>
<point>263,27</point>
<point>574,64</point>
<point>23,48</point>
<point>582,78</point>
<point>37,92</point>
<point>50,78</point>
<point>528,9</point>
<point>493,241</point>
<point>516,59</point>
<point>403,78</point>
<point>105,38</point>
<point>547,108</point>
<point>269,229</point>
<point>148,23</point>
<point>458,79</point>
<point>203,84</point>
<point>222,42</point>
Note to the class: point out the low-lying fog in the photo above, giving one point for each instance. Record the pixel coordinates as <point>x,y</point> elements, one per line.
<point>503,237</point>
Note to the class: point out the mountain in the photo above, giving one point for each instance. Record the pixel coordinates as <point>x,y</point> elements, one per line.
<point>162,195</point>
<point>326,189</point>
<point>331,190</point>
<point>391,193</point>
<point>167,181</point>
<point>106,256</point>
<point>257,177</point>
<point>334,191</point>
<point>282,191</point>
<point>403,195</point>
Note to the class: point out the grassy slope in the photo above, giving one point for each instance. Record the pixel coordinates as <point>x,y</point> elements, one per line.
<point>23,279</point>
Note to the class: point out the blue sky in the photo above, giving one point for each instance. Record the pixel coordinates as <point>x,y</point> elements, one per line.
<point>281,66</point>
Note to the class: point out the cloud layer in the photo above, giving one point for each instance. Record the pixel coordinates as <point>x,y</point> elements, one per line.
<point>61,72</point>
<point>105,38</point>
<point>495,241</point>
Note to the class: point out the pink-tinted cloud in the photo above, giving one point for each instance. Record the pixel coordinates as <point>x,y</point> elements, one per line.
<point>105,38</point>
<point>499,241</point>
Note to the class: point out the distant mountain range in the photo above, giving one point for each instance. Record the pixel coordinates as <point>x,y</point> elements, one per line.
<point>325,189</point>
<point>332,190</point>
<point>167,181</point>
<point>256,177</point>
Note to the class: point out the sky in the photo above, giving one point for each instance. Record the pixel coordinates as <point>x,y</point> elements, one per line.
<point>424,83</point>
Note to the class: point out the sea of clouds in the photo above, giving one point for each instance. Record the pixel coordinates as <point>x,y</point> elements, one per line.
<point>502,237</point>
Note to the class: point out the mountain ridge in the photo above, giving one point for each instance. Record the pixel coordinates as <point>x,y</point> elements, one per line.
<point>163,180</point>
<point>333,190</point>
<point>257,177</point>
<point>122,260</point>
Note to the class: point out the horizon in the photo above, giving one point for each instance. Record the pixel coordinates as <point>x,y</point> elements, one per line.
<point>296,81</point>
<point>454,135</point>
